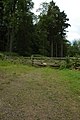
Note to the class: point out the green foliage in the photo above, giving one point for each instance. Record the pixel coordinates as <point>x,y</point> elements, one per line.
<point>19,22</point>
<point>62,65</point>
<point>1,56</point>
<point>26,34</point>
<point>76,62</point>
<point>68,62</point>
<point>74,49</point>
<point>2,27</point>
<point>52,29</point>
<point>10,54</point>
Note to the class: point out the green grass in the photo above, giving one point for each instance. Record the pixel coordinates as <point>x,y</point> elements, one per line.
<point>30,93</point>
<point>73,79</point>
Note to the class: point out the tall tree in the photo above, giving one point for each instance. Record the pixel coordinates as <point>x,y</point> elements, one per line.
<point>25,27</point>
<point>2,27</point>
<point>53,12</point>
<point>10,8</point>
<point>54,22</point>
<point>19,20</point>
<point>26,35</point>
<point>57,29</point>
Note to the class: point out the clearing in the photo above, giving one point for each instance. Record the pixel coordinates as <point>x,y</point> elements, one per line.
<point>29,93</point>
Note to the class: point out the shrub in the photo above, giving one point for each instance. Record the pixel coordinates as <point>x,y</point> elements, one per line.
<point>63,65</point>
<point>1,56</point>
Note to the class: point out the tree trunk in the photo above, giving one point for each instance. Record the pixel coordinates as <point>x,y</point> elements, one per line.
<point>56,49</point>
<point>52,48</point>
<point>43,48</point>
<point>61,50</point>
<point>12,32</point>
<point>11,41</point>
<point>8,40</point>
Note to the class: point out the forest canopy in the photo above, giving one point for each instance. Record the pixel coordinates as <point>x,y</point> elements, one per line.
<point>22,32</point>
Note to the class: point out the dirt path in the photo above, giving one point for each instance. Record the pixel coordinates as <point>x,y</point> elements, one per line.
<point>37,95</point>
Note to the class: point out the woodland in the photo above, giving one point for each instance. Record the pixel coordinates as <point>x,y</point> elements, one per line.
<point>24,33</point>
